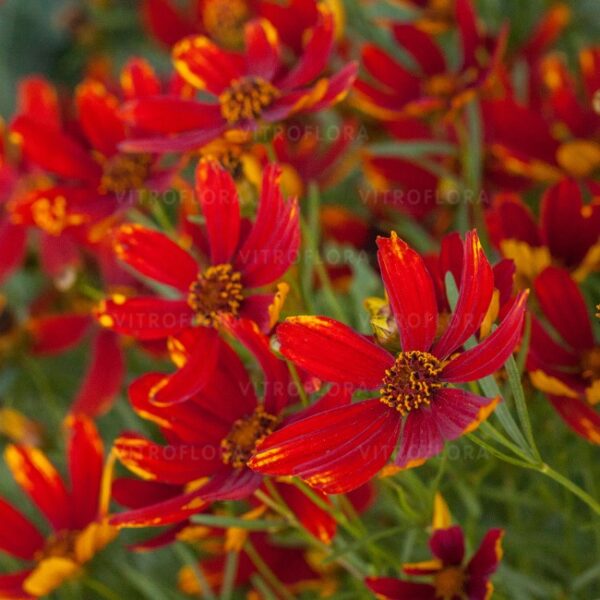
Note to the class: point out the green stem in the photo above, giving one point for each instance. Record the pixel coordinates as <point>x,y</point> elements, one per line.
<point>231,565</point>
<point>266,572</point>
<point>188,557</point>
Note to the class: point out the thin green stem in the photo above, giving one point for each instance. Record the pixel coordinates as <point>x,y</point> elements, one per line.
<point>266,572</point>
<point>188,557</point>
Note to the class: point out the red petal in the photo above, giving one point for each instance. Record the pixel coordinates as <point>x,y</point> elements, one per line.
<point>98,115</point>
<point>86,463</point>
<point>54,151</point>
<point>389,588</point>
<point>487,558</point>
<point>469,35</point>
<point>579,416</point>
<point>11,586</point>
<point>338,86</point>
<point>165,22</point>
<point>273,242</point>
<point>206,66</point>
<point>57,333</point>
<point>41,482</point>
<point>154,255</point>
<point>336,450</point>
<point>139,80</point>
<point>144,318</point>
<point>488,356</point>
<point>103,379</point>
<point>333,352</point>
<point>411,292</point>
<point>137,493</point>
<point>221,210</point>
<point>448,545</point>
<point>547,351</point>
<point>476,288</point>
<point>421,439</point>
<point>389,72</point>
<point>195,373</point>
<point>422,47</point>
<point>18,537</point>
<point>12,248</point>
<point>174,464</point>
<point>262,49</point>
<point>511,219</point>
<point>564,306</point>
<point>37,99</point>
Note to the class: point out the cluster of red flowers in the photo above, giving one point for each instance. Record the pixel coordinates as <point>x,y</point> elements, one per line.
<point>187,219</point>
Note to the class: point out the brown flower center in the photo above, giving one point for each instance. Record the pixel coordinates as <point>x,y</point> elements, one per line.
<point>449,583</point>
<point>246,99</point>
<point>590,364</point>
<point>239,446</point>
<point>124,172</point>
<point>217,291</point>
<point>411,381</point>
<point>224,20</point>
<point>60,545</point>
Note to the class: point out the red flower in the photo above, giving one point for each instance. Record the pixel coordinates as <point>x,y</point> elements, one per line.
<point>241,259</point>
<point>567,368</point>
<point>247,89</point>
<point>211,438</point>
<point>395,91</point>
<point>566,234</point>
<point>451,577</point>
<point>75,515</point>
<point>339,449</point>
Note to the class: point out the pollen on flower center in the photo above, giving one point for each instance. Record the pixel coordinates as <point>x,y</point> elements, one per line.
<point>124,172</point>
<point>411,381</point>
<point>60,545</point>
<point>246,98</point>
<point>239,446</point>
<point>217,291</point>
<point>52,216</point>
<point>449,583</point>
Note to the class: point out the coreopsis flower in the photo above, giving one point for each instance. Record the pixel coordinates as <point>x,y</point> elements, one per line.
<point>563,134</point>
<point>246,90</point>
<point>566,233</point>
<point>393,91</point>
<point>212,436</point>
<point>417,404</point>
<point>87,177</point>
<point>567,367</point>
<point>240,260</point>
<point>452,577</point>
<point>74,514</point>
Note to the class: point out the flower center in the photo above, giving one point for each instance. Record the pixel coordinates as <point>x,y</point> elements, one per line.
<point>224,21</point>
<point>449,583</point>
<point>60,545</point>
<point>411,381</point>
<point>217,291</point>
<point>51,215</point>
<point>246,99</point>
<point>590,364</point>
<point>239,446</point>
<point>124,172</point>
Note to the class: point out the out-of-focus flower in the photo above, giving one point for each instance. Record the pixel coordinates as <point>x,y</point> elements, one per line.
<point>75,514</point>
<point>342,448</point>
<point>452,576</point>
<point>247,90</point>
<point>240,258</point>
<point>564,361</point>
<point>432,86</point>
<point>566,234</point>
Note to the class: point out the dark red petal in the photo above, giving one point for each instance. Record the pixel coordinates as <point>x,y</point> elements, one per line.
<point>338,86</point>
<point>206,66</point>
<point>262,49</point>
<point>333,352</point>
<point>314,56</point>
<point>336,450</point>
<point>154,255</point>
<point>475,295</point>
<point>221,210</point>
<point>470,39</point>
<point>165,22</point>
<point>57,333</point>
<point>18,537</point>
<point>86,463</point>
<point>12,248</point>
<point>509,218</point>
<point>11,586</point>
<point>487,558</point>
<point>420,440</point>
<point>272,245</point>
<point>448,545</point>
<point>54,151</point>
<point>175,464</point>
<point>389,588</point>
<point>411,292</point>
<point>144,318</point>
<point>488,356</point>
<point>104,377</point>
<point>386,70</point>
<point>38,478</point>
<point>579,416</point>
<point>137,493</point>
<point>422,47</point>
<point>193,376</point>
<point>458,412</point>
<point>99,118</point>
<point>545,350</point>
<point>564,306</point>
